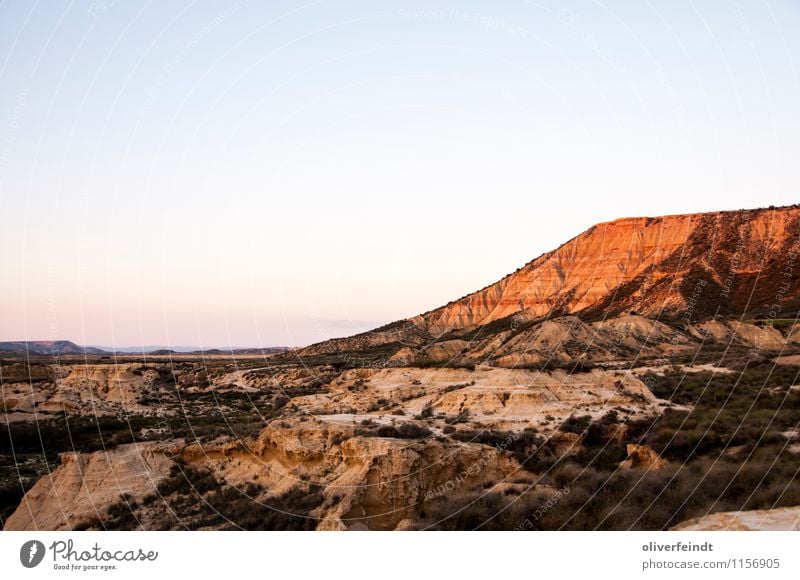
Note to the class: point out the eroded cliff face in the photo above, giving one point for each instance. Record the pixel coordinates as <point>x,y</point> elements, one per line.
<point>573,277</point>
<point>649,265</point>
<point>82,488</point>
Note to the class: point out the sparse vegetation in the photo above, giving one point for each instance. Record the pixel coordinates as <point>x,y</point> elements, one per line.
<point>194,499</point>
<point>457,363</point>
<point>402,431</point>
<point>526,446</point>
<point>729,452</point>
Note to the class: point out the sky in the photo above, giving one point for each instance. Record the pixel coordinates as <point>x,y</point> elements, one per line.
<point>278,173</point>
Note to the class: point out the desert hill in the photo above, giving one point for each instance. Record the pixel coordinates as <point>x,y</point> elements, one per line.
<point>667,276</point>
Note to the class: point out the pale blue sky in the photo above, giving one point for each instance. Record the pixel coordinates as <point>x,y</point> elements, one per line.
<point>221,173</point>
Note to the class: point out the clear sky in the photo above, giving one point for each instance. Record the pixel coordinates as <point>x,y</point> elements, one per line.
<point>277,173</point>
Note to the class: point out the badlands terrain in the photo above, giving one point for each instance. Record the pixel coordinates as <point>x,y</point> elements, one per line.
<point>644,375</point>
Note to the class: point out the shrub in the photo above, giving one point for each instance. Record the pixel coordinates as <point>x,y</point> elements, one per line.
<point>577,425</point>
<point>404,431</point>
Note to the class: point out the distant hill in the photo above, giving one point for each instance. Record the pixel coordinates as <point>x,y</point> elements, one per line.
<point>48,348</point>
<point>234,351</point>
<point>215,351</point>
<point>66,347</point>
<point>146,349</point>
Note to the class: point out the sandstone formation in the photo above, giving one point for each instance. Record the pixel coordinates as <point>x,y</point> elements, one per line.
<point>93,389</point>
<point>369,482</point>
<point>778,519</point>
<point>491,397</point>
<point>85,485</point>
